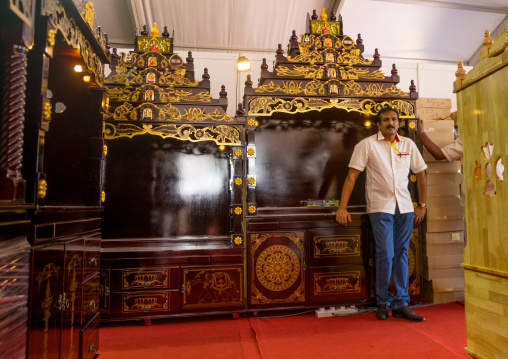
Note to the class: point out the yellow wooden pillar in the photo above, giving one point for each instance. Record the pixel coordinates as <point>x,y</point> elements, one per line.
<point>482,106</point>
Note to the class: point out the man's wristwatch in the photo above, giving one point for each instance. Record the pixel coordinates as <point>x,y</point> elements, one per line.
<point>423,205</point>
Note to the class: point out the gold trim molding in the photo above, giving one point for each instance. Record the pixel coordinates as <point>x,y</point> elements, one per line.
<point>221,135</point>
<point>74,37</point>
<point>166,113</point>
<point>266,106</point>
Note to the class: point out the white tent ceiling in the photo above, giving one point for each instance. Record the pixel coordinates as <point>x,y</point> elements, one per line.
<point>433,30</point>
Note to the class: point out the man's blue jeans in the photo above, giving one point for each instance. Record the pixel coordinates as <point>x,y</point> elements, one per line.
<point>392,233</point>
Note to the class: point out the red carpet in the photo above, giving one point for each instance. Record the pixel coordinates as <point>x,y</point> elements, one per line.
<point>442,335</point>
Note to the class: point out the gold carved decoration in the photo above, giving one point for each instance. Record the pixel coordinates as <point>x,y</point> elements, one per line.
<point>413,178</point>
<point>277,268</point>
<point>216,287</point>
<point>317,71</point>
<point>336,246</point>
<point>238,211</point>
<point>50,38</point>
<point>251,180</point>
<point>42,188</point>
<point>266,106</point>
<point>105,150</point>
<point>337,282</point>
<point>238,240</point>
<point>251,122</point>
<point>317,87</point>
<point>221,135</point>
<point>103,196</point>
<point>168,112</point>
<point>169,77</point>
<point>165,95</point>
<point>251,152</point>
<point>270,260</point>
<point>46,110</point>
<point>73,36</point>
<point>145,279</point>
<point>238,181</point>
<point>252,209</point>
<point>134,303</point>
<point>237,152</point>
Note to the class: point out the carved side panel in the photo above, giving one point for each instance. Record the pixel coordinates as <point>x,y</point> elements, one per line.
<point>276,269</point>
<point>12,186</point>
<point>46,302</point>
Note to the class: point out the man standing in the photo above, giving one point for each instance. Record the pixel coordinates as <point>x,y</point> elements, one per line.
<point>388,158</point>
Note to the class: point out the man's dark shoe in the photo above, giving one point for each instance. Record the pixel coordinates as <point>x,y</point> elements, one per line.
<point>382,312</point>
<point>405,313</point>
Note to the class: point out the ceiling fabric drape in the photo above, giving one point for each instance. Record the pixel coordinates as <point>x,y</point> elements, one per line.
<point>227,24</point>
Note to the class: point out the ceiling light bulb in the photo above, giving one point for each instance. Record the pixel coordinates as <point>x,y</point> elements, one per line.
<point>86,78</point>
<point>78,68</point>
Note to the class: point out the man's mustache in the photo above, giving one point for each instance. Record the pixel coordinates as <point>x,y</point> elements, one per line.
<point>390,126</point>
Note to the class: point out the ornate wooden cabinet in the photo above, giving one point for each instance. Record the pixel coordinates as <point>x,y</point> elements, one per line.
<point>302,257</point>
<point>303,120</point>
<point>481,109</point>
<point>62,165</point>
<point>174,181</point>
<point>16,36</point>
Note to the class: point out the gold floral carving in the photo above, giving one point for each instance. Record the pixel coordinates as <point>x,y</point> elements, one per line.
<point>308,53</point>
<point>133,303</point>
<point>277,268</point>
<point>336,246</point>
<point>73,36</point>
<point>168,77</point>
<point>127,112</point>
<point>266,106</point>
<point>268,265</point>
<point>145,279</point>
<point>165,95</point>
<point>317,71</point>
<point>337,282</point>
<point>221,135</point>
<point>252,209</point>
<point>317,87</point>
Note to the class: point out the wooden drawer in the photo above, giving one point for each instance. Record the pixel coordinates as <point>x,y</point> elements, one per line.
<point>89,339</point>
<point>144,279</point>
<point>90,297</point>
<point>336,284</point>
<point>336,246</point>
<point>92,255</point>
<point>142,303</point>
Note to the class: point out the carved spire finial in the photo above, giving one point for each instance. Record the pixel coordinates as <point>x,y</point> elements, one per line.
<point>264,65</point>
<point>461,72</point>
<point>240,111</point>
<point>223,92</point>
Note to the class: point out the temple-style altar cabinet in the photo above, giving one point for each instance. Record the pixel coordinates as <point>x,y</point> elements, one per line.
<point>173,239</point>
<point>481,109</point>
<point>62,164</point>
<point>303,121</point>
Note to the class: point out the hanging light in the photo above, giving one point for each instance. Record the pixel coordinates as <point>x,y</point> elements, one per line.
<point>243,63</point>
<point>78,68</point>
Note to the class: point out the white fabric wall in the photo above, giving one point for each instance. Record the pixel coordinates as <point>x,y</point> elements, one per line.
<point>434,80</point>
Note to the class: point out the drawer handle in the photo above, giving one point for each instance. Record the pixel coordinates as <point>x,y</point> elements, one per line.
<point>91,304</point>
<point>93,261</point>
<point>338,289</point>
<point>62,303</point>
<point>106,291</point>
<point>147,284</point>
<point>146,308</point>
<point>92,349</point>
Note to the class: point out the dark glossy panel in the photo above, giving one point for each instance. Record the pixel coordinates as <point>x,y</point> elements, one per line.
<point>163,187</point>
<point>66,146</point>
<point>307,159</point>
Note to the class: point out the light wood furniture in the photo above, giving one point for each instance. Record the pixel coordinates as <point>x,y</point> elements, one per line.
<point>482,111</point>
